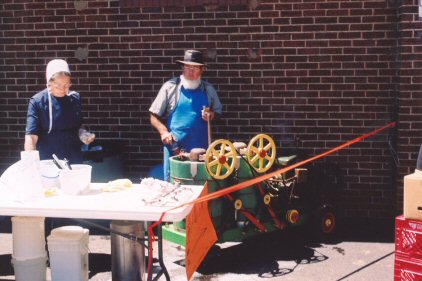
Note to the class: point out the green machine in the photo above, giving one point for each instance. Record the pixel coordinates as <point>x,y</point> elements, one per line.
<point>282,201</point>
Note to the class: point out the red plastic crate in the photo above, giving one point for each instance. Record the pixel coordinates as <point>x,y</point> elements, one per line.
<point>409,239</point>
<point>406,270</point>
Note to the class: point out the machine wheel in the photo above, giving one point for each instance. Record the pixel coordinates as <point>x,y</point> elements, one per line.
<point>220,159</point>
<point>261,152</point>
<point>324,223</point>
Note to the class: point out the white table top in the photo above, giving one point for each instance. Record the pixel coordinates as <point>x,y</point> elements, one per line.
<point>138,203</point>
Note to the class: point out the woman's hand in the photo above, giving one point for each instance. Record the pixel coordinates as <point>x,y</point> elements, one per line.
<point>85,136</point>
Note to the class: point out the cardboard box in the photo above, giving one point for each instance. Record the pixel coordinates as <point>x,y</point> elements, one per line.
<point>412,205</point>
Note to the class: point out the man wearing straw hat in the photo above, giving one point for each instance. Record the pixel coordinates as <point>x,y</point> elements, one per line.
<point>54,118</point>
<point>188,103</point>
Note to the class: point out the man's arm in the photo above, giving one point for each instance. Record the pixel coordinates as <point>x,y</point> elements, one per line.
<point>165,135</point>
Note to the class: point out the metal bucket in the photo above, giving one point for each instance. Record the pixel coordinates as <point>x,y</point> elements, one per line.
<point>188,172</point>
<point>127,256</point>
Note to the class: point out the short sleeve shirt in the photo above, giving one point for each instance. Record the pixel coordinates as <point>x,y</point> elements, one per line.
<point>168,96</point>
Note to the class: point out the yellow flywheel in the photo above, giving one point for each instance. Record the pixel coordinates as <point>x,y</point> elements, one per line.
<point>261,152</point>
<point>220,159</point>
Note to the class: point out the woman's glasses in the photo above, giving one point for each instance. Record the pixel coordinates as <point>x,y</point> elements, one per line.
<point>61,85</point>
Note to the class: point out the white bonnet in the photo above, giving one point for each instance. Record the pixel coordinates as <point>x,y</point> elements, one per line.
<point>55,66</point>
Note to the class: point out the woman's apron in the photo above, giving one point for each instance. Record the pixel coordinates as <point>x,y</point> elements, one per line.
<point>186,124</point>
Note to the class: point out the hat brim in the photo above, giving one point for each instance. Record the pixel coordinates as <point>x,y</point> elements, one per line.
<point>189,63</point>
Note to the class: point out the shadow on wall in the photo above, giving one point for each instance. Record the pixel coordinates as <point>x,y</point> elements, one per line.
<point>106,159</point>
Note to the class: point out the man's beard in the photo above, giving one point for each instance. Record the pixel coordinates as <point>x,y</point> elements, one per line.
<point>189,84</point>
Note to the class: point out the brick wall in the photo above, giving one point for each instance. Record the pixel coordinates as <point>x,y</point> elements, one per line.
<point>316,72</point>
<point>409,87</point>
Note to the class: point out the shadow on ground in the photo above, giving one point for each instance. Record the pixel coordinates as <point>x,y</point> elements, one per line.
<point>261,255</point>
<point>99,263</point>
<point>6,267</point>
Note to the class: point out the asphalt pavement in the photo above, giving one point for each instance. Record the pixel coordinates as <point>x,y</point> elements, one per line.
<point>361,250</point>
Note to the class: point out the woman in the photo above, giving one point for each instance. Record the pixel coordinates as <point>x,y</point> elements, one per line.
<point>54,119</point>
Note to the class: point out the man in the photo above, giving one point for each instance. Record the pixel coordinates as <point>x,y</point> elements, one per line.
<point>54,118</point>
<point>187,103</point>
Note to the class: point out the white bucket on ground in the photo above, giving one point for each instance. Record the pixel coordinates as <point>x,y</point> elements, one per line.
<point>49,174</point>
<point>32,269</point>
<point>68,249</point>
<point>28,238</point>
<point>75,181</point>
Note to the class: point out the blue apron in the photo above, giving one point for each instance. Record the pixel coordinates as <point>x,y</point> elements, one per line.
<point>186,124</point>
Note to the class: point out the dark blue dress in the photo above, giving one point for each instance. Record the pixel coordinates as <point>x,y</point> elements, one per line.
<point>63,138</point>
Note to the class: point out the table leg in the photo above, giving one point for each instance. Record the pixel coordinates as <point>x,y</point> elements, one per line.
<point>160,252</point>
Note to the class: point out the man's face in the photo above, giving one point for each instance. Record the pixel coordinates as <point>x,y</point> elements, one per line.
<point>192,72</point>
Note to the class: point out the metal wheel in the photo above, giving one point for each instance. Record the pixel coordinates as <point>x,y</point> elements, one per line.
<point>261,152</point>
<point>325,222</point>
<point>220,159</point>
<point>328,223</point>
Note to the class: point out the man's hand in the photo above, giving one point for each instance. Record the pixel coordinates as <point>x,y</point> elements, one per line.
<point>168,138</point>
<point>207,114</point>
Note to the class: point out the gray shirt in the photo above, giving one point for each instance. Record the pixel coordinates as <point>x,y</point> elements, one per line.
<point>168,96</point>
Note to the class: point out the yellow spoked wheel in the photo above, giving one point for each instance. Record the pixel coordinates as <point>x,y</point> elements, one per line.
<point>261,153</point>
<point>220,159</point>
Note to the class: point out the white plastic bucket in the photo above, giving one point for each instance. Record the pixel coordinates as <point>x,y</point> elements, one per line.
<point>33,269</point>
<point>75,181</point>
<point>49,174</point>
<point>68,249</point>
<point>32,155</point>
<point>28,238</point>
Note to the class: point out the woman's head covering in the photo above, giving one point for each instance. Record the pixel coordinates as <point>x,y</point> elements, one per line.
<point>53,67</point>
<point>56,66</point>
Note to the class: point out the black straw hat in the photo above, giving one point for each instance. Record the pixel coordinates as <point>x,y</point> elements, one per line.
<point>192,57</point>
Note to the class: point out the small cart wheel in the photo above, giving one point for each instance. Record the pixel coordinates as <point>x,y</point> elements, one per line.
<point>328,223</point>
<point>261,152</point>
<point>220,159</point>
<point>325,222</point>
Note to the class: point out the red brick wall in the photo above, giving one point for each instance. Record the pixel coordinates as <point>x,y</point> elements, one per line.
<point>410,92</point>
<point>323,72</point>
